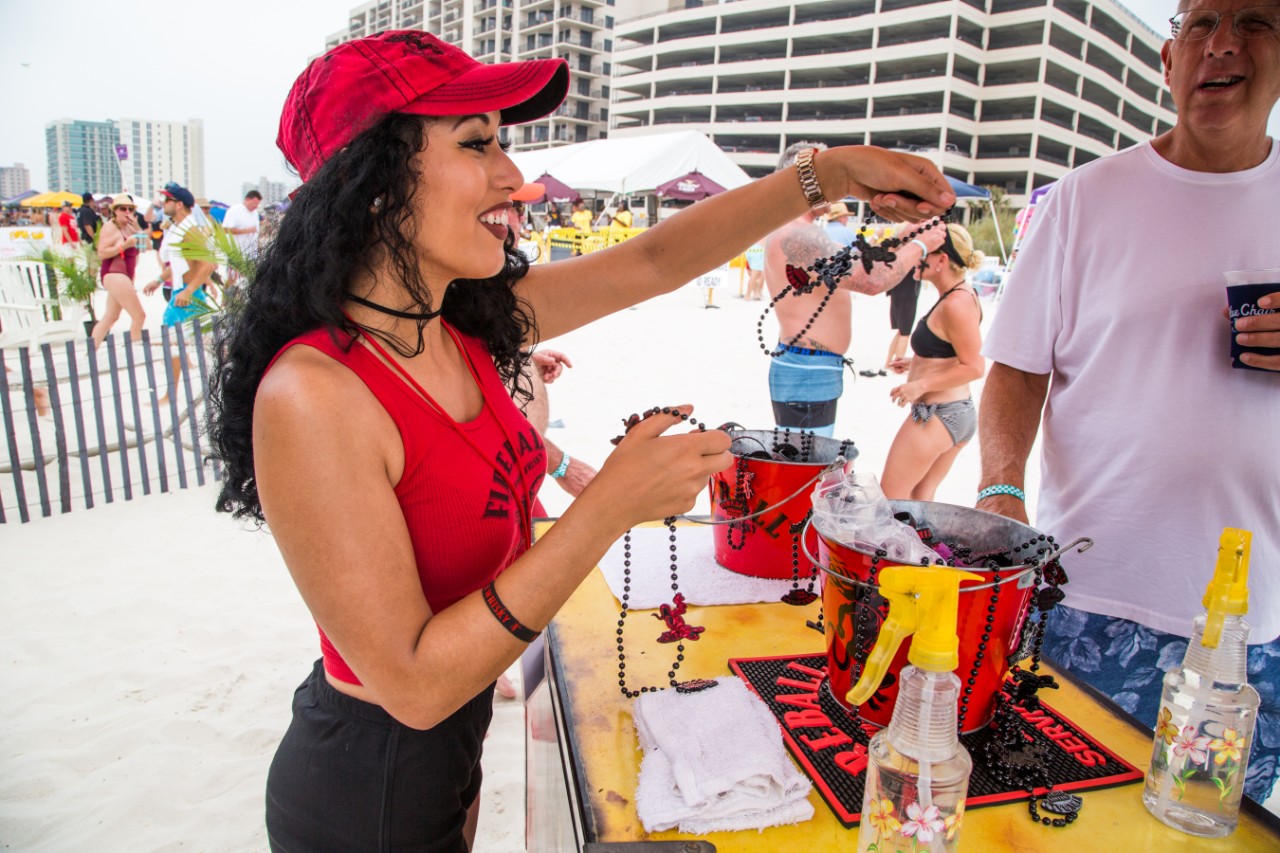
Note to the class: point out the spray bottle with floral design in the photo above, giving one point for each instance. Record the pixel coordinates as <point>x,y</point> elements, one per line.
<point>1208,709</point>
<point>917,770</point>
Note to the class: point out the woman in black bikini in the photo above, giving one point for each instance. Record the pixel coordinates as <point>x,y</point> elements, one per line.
<point>118,249</point>
<point>947,344</point>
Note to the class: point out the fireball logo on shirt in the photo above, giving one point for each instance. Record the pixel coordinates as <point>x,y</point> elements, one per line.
<point>524,464</point>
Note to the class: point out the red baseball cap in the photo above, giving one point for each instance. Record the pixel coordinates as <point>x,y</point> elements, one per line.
<point>354,85</point>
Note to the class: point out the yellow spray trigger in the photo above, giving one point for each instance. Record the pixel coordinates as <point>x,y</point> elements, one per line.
<point>1228,592</point>
<point>923,600</point>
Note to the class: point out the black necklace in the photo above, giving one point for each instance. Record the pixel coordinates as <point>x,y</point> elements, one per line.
<point>830,270</point>
<point>673,615</point>
<point>403,315</point>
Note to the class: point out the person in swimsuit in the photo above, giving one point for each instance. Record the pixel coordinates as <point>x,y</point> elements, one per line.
<point>947,343</point>
<point>118,249</point>
<point>361,404</point>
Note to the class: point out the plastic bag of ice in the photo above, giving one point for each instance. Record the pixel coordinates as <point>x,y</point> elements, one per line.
<point>850,508</point>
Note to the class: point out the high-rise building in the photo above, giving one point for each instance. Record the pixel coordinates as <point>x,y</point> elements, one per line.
<point>272,191</point>
<point>579,31</point>
<point>82,156</point>
<point>14,180</point>
<point>85,155</point>
<point>1011,93</point>
<point>163,151</point>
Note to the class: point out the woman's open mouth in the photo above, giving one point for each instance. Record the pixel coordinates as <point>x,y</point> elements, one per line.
<point>496,222</point>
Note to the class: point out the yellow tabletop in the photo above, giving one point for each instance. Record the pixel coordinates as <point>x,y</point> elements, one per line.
<point>582,644</point>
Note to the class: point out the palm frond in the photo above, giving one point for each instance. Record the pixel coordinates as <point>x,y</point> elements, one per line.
<point>214,245</point>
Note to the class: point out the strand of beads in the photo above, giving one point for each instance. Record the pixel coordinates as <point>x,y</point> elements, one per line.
<point>628,424</point>
<point>829,271</point>
<point>622,615</point>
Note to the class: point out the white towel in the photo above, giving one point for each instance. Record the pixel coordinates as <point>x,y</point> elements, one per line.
<point>714,761</point>
<point>702,580</point>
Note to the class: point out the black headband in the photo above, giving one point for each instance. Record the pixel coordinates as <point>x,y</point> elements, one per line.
<point>949,249</point>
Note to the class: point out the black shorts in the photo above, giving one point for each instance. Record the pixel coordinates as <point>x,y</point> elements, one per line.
<point>347,776</point>
<point>803,415</point>
<point>902,305</point>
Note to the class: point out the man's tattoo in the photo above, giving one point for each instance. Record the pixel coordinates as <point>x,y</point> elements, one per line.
<point>803,246</point>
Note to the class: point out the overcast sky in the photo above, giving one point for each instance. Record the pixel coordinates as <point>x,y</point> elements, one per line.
<point>228,62</point>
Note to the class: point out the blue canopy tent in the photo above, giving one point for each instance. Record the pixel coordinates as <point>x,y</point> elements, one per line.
<point>967,193</point>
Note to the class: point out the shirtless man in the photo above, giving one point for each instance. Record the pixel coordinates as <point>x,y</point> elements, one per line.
<point>806,379</point>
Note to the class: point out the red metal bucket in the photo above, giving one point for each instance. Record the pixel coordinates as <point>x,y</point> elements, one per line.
<point>989,623</point>
<point>759,503</point>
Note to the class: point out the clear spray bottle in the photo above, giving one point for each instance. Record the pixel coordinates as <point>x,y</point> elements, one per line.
<point>917,770</point>
<point>1208,710</point>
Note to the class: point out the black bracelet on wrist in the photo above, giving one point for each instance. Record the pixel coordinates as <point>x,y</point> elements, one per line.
<point>504,617</point>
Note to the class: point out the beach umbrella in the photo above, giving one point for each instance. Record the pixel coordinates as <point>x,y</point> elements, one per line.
<point>555,191</point>
<point>692,186</point>
<point>20,199</point>
<point>52,199</point>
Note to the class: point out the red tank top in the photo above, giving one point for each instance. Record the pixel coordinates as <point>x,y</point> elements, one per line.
<point>465,524</point>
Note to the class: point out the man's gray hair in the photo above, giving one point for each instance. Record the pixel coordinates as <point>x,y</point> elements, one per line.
<point>789,156</point>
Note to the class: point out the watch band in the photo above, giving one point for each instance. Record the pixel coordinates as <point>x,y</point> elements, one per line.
<point>809,178</point>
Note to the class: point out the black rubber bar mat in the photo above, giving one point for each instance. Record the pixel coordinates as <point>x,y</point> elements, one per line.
<point>831,747</point>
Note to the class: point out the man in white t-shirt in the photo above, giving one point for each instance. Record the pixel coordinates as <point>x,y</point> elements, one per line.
<point>1152,442</point>
<point>242,221</point>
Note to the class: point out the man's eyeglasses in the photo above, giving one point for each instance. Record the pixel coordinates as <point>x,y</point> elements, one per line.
<point>1254,22</point>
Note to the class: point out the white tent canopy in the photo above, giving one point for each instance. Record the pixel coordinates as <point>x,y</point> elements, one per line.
<point>633,164</point>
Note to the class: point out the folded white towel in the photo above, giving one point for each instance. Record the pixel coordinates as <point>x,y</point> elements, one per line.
<point>702,579</point>
<point>714,760</point>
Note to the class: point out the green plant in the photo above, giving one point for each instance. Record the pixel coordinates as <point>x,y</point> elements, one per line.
<point>214,245</point>
<point>983,226</point>
<point>75,275</point>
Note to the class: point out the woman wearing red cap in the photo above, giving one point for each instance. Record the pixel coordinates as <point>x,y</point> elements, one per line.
<point>362,406</point>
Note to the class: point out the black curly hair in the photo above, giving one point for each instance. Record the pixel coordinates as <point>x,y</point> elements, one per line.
<point>354,214</point>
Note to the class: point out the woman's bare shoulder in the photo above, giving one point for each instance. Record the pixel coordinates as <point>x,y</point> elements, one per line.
<point>961,306</point>
<point>305,381</point>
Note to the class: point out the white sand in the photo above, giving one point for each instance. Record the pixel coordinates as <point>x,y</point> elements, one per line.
<point>151,648</point>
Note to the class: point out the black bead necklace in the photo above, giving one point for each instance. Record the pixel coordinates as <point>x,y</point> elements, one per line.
<point>1006,753</point>
<point>829,271</point>
<point>677,630</point>
<point>797,596</point>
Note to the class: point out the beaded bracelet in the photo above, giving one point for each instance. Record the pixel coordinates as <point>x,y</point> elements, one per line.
<point>503,615</point>
<point>562,468</point>
<point>1002,489</point>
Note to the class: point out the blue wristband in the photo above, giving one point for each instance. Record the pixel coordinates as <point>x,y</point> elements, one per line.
<point>561,468</point>
<point>1003,489</point>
